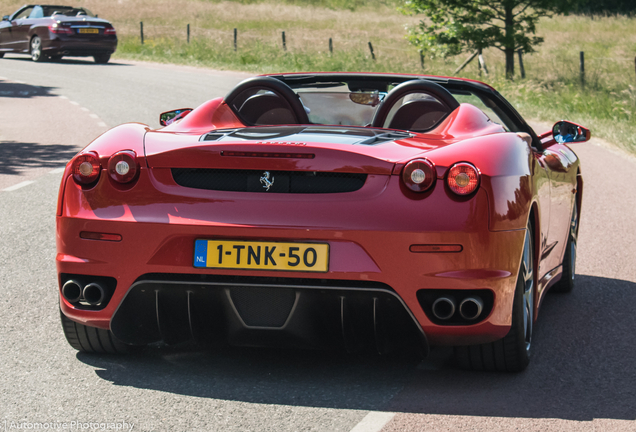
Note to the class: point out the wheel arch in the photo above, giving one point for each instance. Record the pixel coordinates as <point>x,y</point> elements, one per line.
<point>535,223</point>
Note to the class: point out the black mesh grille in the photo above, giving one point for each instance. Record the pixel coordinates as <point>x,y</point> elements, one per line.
<point>263,307</point>
<point>281,181</point>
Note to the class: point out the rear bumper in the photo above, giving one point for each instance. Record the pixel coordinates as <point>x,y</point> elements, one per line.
<point>80,47</point>
<point>370,257</point>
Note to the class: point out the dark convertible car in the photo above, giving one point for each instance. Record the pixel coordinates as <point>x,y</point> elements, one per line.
<point>52,32</point>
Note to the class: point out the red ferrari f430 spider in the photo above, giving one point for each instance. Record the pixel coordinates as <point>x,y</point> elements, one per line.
<point>323,210</point>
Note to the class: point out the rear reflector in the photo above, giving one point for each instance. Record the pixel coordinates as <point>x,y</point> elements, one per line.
<point>269,155</point>
<point>435,248</point>
<point>100,236</point>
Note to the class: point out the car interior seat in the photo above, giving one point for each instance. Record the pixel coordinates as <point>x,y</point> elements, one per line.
<point>418,115</point>
<point>267,109</point>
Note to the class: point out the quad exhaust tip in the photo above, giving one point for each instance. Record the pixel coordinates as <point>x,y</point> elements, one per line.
<point>471,307</point>
<point>94,294</point>
<point>444,308</point>
<point>72,291</point>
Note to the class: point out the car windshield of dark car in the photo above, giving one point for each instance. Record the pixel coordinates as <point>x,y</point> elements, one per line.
<point>66,11</point>
<point>24,13</point>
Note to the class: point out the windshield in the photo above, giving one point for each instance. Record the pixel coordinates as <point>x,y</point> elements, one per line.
<point>66,11</point>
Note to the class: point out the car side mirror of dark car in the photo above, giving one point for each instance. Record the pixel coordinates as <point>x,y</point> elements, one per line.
<point>568,132</point>
<point>169,117</point>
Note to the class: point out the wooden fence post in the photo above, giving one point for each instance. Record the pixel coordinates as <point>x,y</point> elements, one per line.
<point>468,60</point>
<point>235,36</point>
<point>482,63</point>
<point>371,49</point>
<point>330,46</point>
<point>521,68</point>
<point>141,31</point>
<point>582,67</point>
<point>284,43</point>
<point>188,33</point>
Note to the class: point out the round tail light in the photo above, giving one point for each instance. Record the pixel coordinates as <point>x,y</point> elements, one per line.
<point>419,175</point>
<point>463,178</point>
<point>86,168</point>
<point>122,166</point>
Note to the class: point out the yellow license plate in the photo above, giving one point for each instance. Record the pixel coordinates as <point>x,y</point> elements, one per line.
<point>92,31</point>
<point>257,255</point>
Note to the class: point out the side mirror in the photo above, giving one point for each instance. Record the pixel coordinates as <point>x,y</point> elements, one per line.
<point>567,132</point>
<point>170,117</point>
<point>6,18</point>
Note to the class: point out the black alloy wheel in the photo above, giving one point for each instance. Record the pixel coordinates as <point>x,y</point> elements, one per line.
<point>512,353</point>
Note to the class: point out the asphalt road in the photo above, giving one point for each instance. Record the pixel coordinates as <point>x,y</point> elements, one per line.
<point>581,377</point>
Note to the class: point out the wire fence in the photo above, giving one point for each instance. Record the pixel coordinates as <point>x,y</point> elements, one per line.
<point>302,41</point>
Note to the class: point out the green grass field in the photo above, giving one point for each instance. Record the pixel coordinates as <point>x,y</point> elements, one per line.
<point>550,92</point>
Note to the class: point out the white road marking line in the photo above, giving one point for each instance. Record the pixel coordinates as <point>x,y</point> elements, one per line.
<point>62,97</point>
<point>57,170</point>
<point>3,78</point>
<point>74,103</point>
<point>19,82</point>
<point>373,422</point>
<point>94,116</point>
<point>84,109</point>
<point>18,186</point>
<point>102,124</point>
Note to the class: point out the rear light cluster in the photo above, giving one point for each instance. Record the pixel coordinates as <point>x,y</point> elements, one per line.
<point>419,175</point>
<point>463,178</point>
<point>110,31</point>
<point>60,29</point>
<point>122,167</point>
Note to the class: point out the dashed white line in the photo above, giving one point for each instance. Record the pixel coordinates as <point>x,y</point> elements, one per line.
<point>373,422</point>
<point>84,109</point>
<point>73,103</point>
<point>63,97</point>
<point>102,124</point>
<point>57,170</point>
<point>93,116</point>
<point>18,186</point>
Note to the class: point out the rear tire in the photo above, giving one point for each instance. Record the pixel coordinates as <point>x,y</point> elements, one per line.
<point>566,284</point>
<point>36,49</point>
<point>512,353</point>
<point>92,339</point>
<point>101,58</point>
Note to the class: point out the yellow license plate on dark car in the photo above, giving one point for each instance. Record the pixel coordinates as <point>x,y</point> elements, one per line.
<point>258,255</point>
<point>89,30</point>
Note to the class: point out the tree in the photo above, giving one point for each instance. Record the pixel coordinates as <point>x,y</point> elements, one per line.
<point>455,26</point>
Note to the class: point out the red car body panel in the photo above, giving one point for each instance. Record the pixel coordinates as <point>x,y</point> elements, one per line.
<point>370,231</point>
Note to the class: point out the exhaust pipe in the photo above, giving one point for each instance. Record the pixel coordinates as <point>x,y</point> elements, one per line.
<point>470,308</point>
<point>72,291</point>
<point>94,294</point>
<point>444,308</point>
